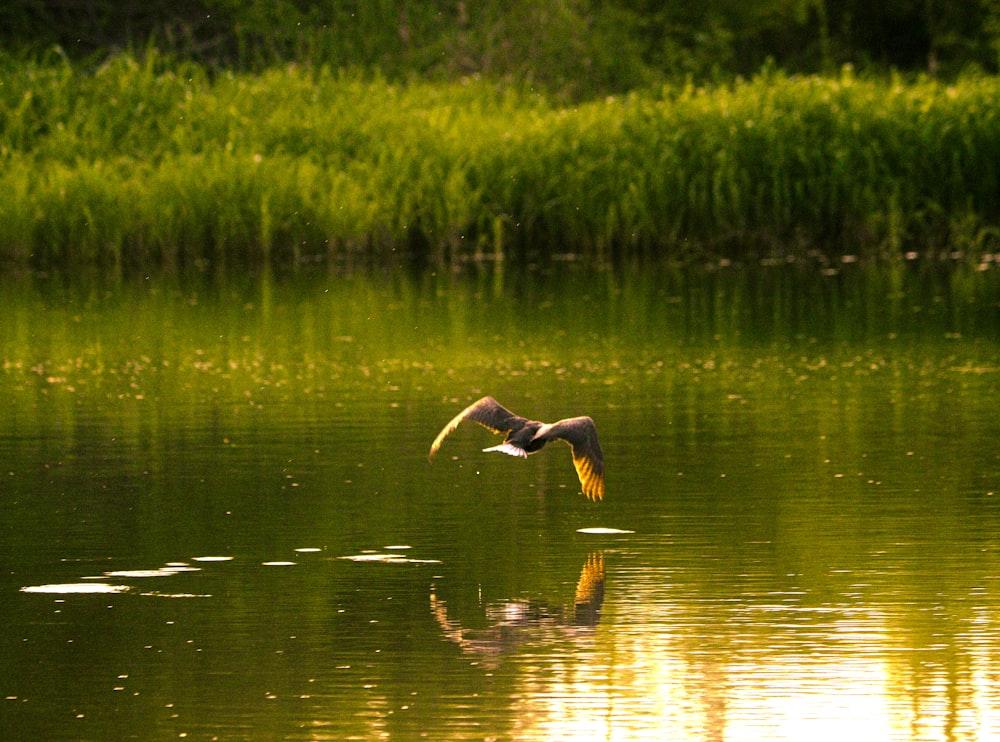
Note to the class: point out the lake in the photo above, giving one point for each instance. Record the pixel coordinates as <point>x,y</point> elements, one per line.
<point>219,520</point>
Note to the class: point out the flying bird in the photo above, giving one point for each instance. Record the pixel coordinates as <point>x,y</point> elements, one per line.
<point>524,436</point>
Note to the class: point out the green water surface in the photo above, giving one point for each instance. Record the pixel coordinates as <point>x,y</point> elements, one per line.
<point>219,521</point>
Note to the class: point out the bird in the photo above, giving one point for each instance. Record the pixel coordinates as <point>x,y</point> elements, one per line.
<point>524,436</point>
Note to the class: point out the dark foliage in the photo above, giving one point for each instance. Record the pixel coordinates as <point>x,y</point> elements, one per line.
<point>579,47</point>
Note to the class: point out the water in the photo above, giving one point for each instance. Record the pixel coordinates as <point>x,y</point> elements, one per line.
<point>219,520</point>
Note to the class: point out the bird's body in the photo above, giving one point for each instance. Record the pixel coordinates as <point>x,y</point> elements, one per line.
<point>524,436</point>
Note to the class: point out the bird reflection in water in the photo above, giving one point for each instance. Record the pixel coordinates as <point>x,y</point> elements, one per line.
<point>515,622</point>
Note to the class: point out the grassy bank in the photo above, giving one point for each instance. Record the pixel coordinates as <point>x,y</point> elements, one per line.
<point>147,162</point>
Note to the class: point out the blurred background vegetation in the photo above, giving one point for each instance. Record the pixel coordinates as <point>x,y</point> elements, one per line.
<point>576,47</point>
<point>138,131</point>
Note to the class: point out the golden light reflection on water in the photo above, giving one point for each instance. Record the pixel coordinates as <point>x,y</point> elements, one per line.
<point>851,680</point>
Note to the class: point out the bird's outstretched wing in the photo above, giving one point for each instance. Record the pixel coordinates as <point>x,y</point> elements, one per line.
<point>487,412</point>
<point>581,434</point>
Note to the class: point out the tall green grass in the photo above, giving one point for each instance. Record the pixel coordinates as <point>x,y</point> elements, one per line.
<point>144,162</point>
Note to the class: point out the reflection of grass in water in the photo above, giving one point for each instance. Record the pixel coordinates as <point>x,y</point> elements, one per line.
<point>143,163</point>
<point>246,344</point>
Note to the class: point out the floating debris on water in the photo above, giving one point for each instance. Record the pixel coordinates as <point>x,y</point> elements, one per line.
<point>75,587</point>
<point>370,557</point>
<point>158,594</point>
<point>398,547</point>
<point>602,531</point>
<point>98,584</point>
<point>161,572</point>
<point>308,550</point>
<point>278,564</point>
<point>387,558</point>
<point>139,573</point>
<point>170,569</point>
<point>212,559</point>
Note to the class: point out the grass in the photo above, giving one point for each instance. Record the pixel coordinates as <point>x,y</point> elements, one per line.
<point>149,162</point>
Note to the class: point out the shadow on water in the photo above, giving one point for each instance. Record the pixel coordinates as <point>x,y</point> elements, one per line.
<point>219,520</point>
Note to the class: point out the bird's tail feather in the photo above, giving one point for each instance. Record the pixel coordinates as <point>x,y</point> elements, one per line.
<point>508,449</point>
